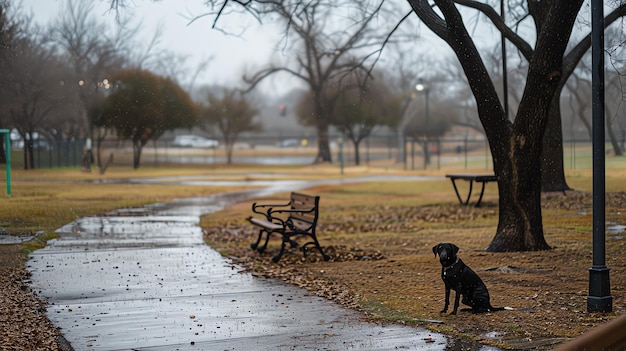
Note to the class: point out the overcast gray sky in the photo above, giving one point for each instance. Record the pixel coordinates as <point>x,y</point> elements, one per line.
<point>230,54</point>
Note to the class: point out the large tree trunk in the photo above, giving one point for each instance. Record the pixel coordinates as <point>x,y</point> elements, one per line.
<point>137,147</point>
<point>552,170</point>
<point>229,152</point>
<point>520,226</point>
<point>515,147</point>
<point>29,155</point>
<point>553,178</point>
<point>321,125</point>
<point>100,135</point>
<point>357,156</point>
<point>26,156</point>
<point>323,144</point>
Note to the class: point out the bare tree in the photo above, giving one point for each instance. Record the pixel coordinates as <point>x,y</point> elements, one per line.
<point>38,96</point>
<point>360,106</point>
<point>580,101</point>
<point>426,127</point>
<point>10,29</point>
<point>364,105</point>
<point>615,111</point>
<point>321,44</point>
<point>407,70</point>
<point>579,90</point>
<point>515,146</point>
<point>323,49</point>
<point>95,52</point>
<point>232,115</point>
<point>553,176</point>
<point>35,88</point>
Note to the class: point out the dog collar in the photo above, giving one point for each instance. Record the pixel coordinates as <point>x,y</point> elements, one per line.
<point>452,265</point>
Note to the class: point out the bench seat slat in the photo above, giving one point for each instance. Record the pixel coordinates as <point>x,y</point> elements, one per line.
<point>302,225</point>
<point>264,223</point>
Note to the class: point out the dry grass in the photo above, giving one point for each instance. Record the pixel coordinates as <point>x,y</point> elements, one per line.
<point>380,236</point>
<point>44,205</point>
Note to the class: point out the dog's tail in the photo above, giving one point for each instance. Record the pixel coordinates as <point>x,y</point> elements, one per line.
<point>495,309</point>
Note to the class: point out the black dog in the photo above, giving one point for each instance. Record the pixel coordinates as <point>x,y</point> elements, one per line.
<point>462,279</point>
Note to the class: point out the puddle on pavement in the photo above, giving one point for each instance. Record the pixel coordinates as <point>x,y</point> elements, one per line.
<point>13,239</point>
<point>144,279</point>
<point>6,239</point>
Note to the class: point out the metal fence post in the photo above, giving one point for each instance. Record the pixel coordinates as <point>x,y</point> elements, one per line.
<point>7,147</point>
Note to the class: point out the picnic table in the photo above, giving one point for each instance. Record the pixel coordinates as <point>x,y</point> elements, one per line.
<point>478,178</point>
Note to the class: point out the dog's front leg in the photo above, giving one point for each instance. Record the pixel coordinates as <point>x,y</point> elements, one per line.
<point>456,302</point>
<point>447,303</point>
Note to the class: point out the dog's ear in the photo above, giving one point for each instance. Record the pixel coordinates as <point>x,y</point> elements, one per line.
<point>435,249</point>
<point>455,249</point>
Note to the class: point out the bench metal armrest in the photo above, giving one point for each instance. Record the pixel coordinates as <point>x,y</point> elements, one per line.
<point>256,206</point>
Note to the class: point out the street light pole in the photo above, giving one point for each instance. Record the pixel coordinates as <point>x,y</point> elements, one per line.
<point>421,87</point>
<point>599,299</point>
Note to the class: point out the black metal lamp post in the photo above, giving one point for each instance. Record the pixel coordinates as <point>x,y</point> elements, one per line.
<point>599,299</point>
<point>505,84</point>
<point>421,87</point>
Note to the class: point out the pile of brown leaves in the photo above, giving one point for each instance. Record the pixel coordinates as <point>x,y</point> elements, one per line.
<point>23,321</point>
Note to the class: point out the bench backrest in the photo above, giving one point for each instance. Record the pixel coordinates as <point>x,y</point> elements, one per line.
<point>304,202</point>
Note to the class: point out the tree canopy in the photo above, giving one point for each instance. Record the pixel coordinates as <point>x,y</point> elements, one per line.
<point>142,106</point>
<point>326,42</point>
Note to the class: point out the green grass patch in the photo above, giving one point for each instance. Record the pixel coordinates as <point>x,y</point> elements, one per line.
<point>381,312</point>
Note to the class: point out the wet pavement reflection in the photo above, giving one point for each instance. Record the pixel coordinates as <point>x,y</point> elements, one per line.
<point>143,279</point>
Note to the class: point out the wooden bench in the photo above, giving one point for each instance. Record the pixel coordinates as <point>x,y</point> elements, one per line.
<point>478,178</point>
<point>298,217</point>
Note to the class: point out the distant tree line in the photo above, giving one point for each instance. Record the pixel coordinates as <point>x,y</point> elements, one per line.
<point>79,79</point>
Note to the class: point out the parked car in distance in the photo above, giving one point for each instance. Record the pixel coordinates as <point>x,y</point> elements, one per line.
<point>194,141</point>
<point>289,143</point>
<point>39,144</point>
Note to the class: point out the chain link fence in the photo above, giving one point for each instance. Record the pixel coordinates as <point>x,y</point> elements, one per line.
<point>410,154</point>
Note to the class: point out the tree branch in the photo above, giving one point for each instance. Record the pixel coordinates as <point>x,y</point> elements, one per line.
<point>499,23</point>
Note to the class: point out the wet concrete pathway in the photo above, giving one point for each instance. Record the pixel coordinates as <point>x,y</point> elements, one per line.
<point>143,279</point>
